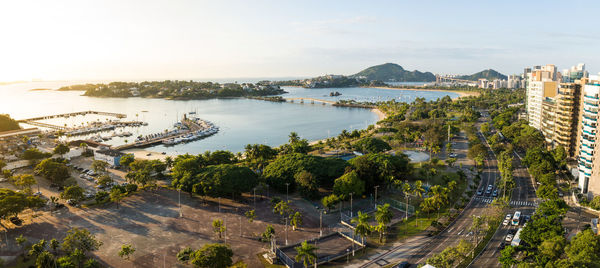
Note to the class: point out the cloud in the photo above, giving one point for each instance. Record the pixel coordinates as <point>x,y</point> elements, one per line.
<point>339,26</point>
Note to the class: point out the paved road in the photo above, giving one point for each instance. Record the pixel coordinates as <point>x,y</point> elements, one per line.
<point>524,200</point>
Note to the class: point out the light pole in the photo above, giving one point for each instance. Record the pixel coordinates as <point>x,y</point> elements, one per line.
<point>377,186</point>
<point>219,204</point>
<point>179,194</point>
<point>351,212</point>
<point>287,184</point>
<point>320,222</point>
<point>267,191</point>
<point>254,198</point>
<point>286,237</point>
<point>406,194</point>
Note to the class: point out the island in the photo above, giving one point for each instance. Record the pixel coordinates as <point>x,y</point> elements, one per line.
<point>177,90</point>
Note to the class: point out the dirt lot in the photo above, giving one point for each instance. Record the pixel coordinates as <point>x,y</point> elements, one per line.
<point>150,222</point>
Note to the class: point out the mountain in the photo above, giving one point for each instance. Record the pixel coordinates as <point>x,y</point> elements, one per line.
<point>394,72</point>
<point>488,74</point>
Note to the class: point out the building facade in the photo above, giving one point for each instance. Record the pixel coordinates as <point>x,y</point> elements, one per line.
<point>588,164</point>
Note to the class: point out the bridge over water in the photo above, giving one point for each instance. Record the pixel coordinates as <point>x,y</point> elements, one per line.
<point>312,100</point>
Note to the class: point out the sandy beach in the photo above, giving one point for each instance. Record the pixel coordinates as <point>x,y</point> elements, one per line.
<point>461,94</point>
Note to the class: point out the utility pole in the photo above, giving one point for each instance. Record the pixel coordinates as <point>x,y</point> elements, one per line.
<point>406,194</point>
<point>287,184</point>
<point>377,186</point>
<point>351,212</point>
<point>219,204</point>
<point>240,225</point>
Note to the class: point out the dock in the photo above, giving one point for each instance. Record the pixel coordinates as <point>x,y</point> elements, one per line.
<point>312,100</point>
<point>34,121</point>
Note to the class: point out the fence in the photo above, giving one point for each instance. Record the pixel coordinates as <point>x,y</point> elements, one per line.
<point>398,205</point>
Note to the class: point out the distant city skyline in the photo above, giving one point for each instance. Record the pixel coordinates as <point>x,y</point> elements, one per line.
<point>133,40</point>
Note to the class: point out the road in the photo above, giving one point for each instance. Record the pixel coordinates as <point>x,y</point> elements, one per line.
<point>523,199</point>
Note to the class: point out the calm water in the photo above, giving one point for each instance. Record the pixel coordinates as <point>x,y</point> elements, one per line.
<point>241,121</point>
<point>366,94</point>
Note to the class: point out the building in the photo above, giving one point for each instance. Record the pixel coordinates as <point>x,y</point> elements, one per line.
<point>112,157</point>
<point>588,164</point>
<point>513,82</point>
<point>542,83</point>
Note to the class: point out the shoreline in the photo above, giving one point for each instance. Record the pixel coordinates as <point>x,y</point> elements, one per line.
<point>461,94</point>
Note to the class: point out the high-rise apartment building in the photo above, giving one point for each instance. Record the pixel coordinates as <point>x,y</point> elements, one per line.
<point>588,140</point>
<point>542,82</point>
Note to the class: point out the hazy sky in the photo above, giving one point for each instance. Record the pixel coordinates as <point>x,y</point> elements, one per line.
<point>217,39</point>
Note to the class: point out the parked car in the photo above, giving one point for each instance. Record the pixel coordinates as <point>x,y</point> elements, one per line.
<point>508,216</point>
<point>502,246</point>
<point>16,221</point>
<point>526,218</point>
<point>495,193</point>
<point>452,155</point>
<point>505,222</point>
<point>508,238</point>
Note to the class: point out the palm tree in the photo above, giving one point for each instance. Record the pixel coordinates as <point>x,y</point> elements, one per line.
<point>440,197</point>
<point>293,137</point>
<point>407,189</point>
<point>383,216</point>
<point>306,253</point>
<point>362,225</point>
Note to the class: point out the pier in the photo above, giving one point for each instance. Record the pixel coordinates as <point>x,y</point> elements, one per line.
<point>117,115</point>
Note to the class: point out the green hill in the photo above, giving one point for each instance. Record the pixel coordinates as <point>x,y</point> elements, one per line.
<point>394,72</point>
<point>488,74</point>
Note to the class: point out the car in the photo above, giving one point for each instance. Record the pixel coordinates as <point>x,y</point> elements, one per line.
<point>512,231</point>
<point>560,194</point>
<point>505,222</point>
<point>488,191</point>
<point>502,246</point>
<point>508,216</point>
<point>72,202</point>
<point>495,193</point>
<point>3,179</point>
<point>38,194</point>
<point>452,155</point>
<point>479,192</point>
<point>508,238</point>
<point>526,218</point>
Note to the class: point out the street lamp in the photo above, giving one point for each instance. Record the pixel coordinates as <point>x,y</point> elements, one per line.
<point>320,222</point>
<point>287,184</point>
<point>219,204</point>
<point>377,186</point>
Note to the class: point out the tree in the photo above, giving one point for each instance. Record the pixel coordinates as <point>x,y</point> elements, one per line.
<point>99,166</point>
<point>54,244</point>
<point>37,248</point>
<point>306,254</point>
<point>126,251</point>
<point>383,216</point>
<point>258,155</point>
<point>250,214</point>
<point>268,233</point>
<point>372,145</point>
<point>72,192</point>
<point>80,239</point>
<point>92,263</point>
<point>34,154</point>
<point>347,184</point>
<point>185,254</point>
<point>552,248</point>
<point>584,249</point>
<point>296,220</point>
<point>307,184</point>
<point>330,201</point>
<point>126,160</point>
<point>283,208</point>
<point>212,256</point>
<point>476,225</point>
<point>116,195</point>
<point>25,181</point>
<point>283,170</point>
<point>507,258</point>
<point>45,259</point>
<point>218,227</point>
<point>362,225</point>
<point>105,180</point>
<point>61,149</point>
<point>53,170</point>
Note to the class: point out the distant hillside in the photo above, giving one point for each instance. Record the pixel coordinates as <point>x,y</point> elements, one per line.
<point>394,72</point>
<point>488,74</point>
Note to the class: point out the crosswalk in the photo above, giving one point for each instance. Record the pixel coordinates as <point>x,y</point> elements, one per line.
<point>523,203</point>
<point>489,200</point>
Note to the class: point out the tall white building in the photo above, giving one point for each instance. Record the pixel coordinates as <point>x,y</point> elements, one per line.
<point>542,82</point>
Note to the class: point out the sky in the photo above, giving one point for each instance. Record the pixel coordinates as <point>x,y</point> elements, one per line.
<point>179,39</point>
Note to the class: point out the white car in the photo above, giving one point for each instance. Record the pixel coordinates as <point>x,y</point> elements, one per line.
<point>506,222</point>
<point>509,238</point>
<point>508,217</point>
